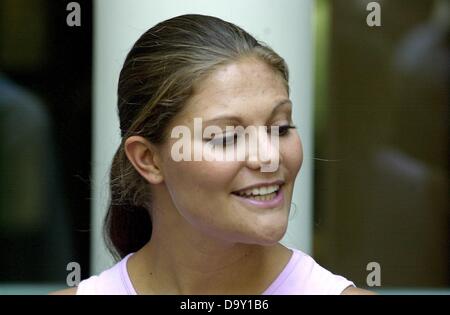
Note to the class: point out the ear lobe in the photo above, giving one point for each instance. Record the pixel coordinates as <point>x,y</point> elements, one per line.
<point>143,156</point>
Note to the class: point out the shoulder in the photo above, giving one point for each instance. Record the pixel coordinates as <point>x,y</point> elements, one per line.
<point>108,281</point>
<point>311,278</point>
<point>70,291</point>
<point>112,281</point>
<point>357,291</point>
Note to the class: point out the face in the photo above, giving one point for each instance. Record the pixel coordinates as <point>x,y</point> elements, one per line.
<point>213,196</point>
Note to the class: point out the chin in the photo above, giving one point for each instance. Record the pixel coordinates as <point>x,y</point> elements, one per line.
<point>270,236</point>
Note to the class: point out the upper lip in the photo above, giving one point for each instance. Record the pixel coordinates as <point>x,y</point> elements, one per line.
<point>276,182</point>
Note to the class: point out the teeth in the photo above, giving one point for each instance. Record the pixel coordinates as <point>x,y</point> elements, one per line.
<point>264,197</point>
<point>260,191</point>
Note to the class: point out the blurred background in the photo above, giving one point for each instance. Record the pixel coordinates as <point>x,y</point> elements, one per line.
<point>45,151</point>
<point>372,108</point>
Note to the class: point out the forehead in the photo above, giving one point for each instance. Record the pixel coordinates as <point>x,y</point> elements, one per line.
<point>244,85</point>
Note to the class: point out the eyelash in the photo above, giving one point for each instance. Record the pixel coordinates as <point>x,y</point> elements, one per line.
<point>284,130</point>
<point>224,141</point>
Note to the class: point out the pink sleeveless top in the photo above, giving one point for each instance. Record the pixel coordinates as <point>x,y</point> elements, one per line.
<point>301,275</point>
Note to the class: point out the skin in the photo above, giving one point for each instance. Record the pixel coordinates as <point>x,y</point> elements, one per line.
<point>206,241</point>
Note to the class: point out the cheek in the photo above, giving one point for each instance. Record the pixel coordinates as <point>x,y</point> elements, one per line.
<point>292,153</point>
<point>195,182</point>
<point>199,191</point>
<point>205,175</point>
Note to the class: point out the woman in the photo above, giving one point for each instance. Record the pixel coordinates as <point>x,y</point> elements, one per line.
<point>204,226</point>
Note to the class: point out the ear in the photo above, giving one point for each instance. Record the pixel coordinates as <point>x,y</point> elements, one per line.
<point>144,157</point>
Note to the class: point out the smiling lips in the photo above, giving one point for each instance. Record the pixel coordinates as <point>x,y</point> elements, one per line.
<point>263,193</point>
<point>263,196</point>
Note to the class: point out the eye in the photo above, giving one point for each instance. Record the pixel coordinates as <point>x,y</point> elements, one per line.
<point>284,130</point>
<point>224,140</point>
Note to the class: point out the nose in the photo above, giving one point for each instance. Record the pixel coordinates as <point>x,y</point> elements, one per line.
<point>263,150</point>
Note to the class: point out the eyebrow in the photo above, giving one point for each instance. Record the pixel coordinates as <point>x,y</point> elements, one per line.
<point>231,118</point>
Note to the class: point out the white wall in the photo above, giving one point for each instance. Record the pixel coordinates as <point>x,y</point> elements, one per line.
<point>285,25</point>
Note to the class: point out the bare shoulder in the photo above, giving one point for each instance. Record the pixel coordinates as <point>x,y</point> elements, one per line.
<point>70,291</point>
<point>357,291</point>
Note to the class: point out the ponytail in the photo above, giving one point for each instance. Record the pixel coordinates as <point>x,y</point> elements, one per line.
<point>127,225</point>
<point>127,229</point>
